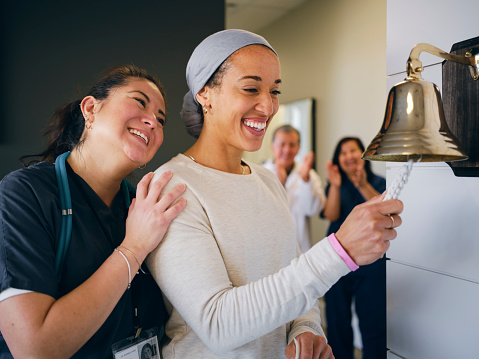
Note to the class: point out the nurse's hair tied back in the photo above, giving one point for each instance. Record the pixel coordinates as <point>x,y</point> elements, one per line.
<point>65,129</point>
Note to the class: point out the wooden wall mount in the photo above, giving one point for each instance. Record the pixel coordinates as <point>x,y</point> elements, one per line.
<point>460,97</point>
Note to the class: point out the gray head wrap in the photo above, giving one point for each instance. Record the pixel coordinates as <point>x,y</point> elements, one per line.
<point>205,60</point>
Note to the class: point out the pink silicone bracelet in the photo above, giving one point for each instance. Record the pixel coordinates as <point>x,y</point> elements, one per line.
<point>341,252</point>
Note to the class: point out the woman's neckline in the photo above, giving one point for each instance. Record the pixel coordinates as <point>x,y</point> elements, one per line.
<point>243,165</point>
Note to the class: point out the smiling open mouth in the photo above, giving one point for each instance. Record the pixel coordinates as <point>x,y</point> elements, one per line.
<point>255,125</point>
<point>139,134</point>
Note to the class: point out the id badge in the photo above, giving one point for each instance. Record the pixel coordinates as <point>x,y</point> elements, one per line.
<point>145,346</point>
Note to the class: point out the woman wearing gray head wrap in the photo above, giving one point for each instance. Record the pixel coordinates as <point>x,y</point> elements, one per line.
<point>204,62</point>
<point>229,267</point>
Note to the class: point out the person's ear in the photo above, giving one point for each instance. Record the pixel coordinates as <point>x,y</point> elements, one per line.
<point>89,106</point>
<point>203,96</point>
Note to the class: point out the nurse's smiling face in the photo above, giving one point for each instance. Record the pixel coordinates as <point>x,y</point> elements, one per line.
<point>128,124</point>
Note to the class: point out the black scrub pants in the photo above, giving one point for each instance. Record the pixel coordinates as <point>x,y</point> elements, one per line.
<point>367,287</point>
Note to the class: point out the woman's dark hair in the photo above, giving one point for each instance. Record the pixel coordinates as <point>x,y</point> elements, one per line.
<point>367,165</point>
<point>65,130</point>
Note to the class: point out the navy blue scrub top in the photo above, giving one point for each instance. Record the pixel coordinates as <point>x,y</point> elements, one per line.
<point>30,222</point>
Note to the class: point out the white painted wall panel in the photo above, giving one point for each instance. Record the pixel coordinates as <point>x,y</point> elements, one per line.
<point>391,355</point>
<point>431,74</point>
<point>440,228</point>
<point>438,22</point>
<point>431,316</point>
<point>432,301</point>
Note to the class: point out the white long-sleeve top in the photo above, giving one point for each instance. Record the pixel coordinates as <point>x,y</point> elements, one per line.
<point>305,199</point>
<point>229,271</point>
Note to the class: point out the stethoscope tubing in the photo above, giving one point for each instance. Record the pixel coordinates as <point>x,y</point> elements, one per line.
<point>67,210</point>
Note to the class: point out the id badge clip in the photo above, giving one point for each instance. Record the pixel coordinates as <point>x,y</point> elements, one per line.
<point>142,345</point>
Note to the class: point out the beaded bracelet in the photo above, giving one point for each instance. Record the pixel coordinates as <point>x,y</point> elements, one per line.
<point>129,269</point>
<point>133,254</point>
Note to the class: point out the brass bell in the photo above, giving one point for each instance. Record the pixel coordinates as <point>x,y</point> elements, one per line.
<point>414,127</point>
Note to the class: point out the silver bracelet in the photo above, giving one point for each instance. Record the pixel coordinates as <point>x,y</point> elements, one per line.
<point>128,263</point>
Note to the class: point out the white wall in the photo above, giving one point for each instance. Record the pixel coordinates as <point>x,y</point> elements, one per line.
<point>432,277</point>
<point>335,51</point>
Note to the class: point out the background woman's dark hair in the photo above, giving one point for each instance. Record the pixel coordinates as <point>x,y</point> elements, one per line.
<point>367,165</point>
<point>64,132</point>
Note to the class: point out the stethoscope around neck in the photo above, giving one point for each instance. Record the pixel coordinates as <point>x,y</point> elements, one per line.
<point>67,210</point>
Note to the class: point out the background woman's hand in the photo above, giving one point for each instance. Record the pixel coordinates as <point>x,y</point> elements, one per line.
<point>366,232</point>
<point>311,347</point>
<point>334,177</point>
<point>151,212</point>
<point>359,177</point>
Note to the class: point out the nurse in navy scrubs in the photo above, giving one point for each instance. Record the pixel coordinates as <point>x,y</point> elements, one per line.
<point>350,183</point>
<point>96,298</point>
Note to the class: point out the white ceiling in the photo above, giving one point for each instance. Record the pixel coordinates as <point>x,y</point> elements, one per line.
<point>253,15</point>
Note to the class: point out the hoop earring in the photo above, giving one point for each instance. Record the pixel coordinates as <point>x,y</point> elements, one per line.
<point>88,125</point>
<point>142,167</point>
<point>205,110</point>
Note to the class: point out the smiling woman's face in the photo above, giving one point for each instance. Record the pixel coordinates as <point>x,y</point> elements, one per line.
<point>350,157</point>
<point>127,123</point>
<point>241,108</point>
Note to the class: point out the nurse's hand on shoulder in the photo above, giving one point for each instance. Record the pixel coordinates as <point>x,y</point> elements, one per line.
<point>366,232</point>
<point>311,346</point>
<point>151,212</point>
